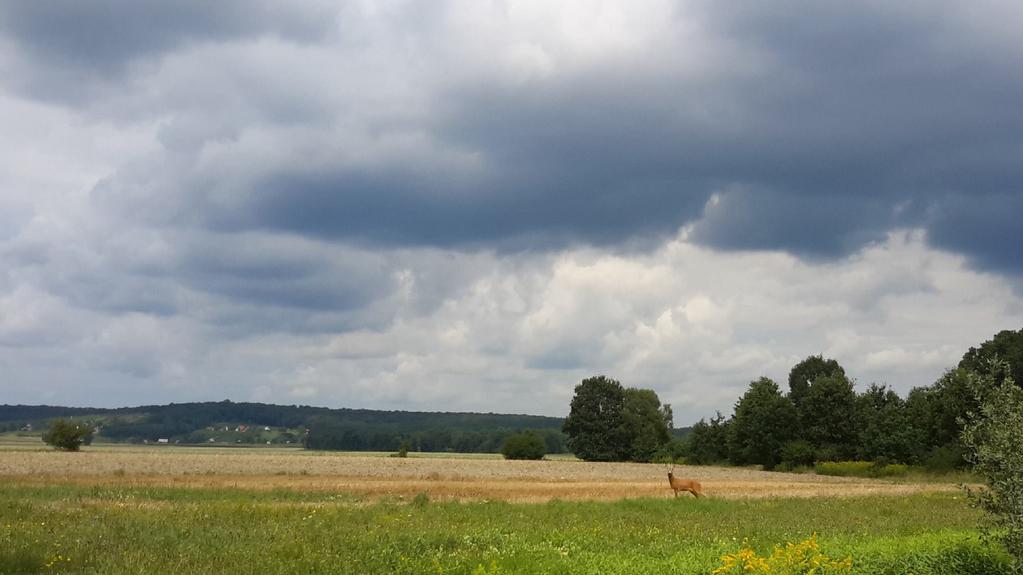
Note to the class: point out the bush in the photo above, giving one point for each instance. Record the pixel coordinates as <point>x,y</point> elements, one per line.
<point>860,469</point>
<point>890,470</point>
<point>67,435</point>
<point>944,459</point>
<point>525,445</point>
<point>993,436</point>
<point>797,453</point>
<point>402,449</point>
<point>828,453</point>
<point>844,468</point>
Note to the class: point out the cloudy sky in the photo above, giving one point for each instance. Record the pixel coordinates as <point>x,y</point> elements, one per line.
<point>472,205</point>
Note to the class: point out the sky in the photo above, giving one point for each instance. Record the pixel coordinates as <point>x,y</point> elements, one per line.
<point>473,205</point>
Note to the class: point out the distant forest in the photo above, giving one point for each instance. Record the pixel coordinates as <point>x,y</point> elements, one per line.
<point>228,422</point>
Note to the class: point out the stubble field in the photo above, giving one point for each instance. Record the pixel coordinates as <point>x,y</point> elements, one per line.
<point>452,478</point>
<point>180,510</point>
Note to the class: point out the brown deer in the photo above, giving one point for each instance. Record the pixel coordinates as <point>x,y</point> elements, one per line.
<point>683,484</point>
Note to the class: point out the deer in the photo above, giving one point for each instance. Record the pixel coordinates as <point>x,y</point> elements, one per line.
<point>683,484</point>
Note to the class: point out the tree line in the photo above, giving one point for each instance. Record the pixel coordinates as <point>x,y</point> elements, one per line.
<point>315,427</point>
<point>823,418</point>
<point>335,434</point>
<point>820,418</point>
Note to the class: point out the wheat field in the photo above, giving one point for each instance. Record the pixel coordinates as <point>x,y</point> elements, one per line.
<point>454,478</point>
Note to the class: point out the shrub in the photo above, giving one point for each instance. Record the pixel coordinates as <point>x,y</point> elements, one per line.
<point>402,449</point>
<point>828,452</point>
<point>944,459</point>
<point>890,470</point>
<point>67,435</point>
<point>797,453</point>
<point>844,468</point>
<point>525,445</point>
<point>860,469</point>
<point>993,436</point>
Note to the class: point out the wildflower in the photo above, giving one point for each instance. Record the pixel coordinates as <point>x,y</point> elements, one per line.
<point>803,558</point>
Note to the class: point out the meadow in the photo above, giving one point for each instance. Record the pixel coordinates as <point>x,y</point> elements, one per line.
<point>163,510</point>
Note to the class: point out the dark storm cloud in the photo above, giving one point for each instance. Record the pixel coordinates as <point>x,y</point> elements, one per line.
<point>811,226</point>
<point>849,122</point>
<point>283,272</point>
<point>520,211</point>
<point>818,129</point>
<point>990,232</point>
<point>102,36</point>
<point>78,51</point>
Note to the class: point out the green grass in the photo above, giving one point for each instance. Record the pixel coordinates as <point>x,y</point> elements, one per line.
<point>112,530</point>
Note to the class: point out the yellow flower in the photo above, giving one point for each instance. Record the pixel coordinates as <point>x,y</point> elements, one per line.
<point>803,558</point>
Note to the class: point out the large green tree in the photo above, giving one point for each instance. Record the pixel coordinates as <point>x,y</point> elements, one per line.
<point>884,430</point>
<point>828,417</point>
<point>804,373</point>
<point>610,423</point>
<point>938,410</point>
<point>1006,347</point>
<point>595,423</point>
<point>68,435</point>
<point>764,421</point>
<point>647,423</point>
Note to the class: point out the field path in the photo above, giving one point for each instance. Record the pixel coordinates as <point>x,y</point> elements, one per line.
<point>454,478</point>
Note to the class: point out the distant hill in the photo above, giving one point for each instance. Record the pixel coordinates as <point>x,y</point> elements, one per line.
<point>315,427</point>
<point>233,423</point>
<point>28,413</point>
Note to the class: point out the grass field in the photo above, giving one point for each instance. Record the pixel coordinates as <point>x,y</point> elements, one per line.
<point>163,510</point>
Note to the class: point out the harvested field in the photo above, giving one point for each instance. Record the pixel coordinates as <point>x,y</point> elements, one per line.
<point>454,478</point>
